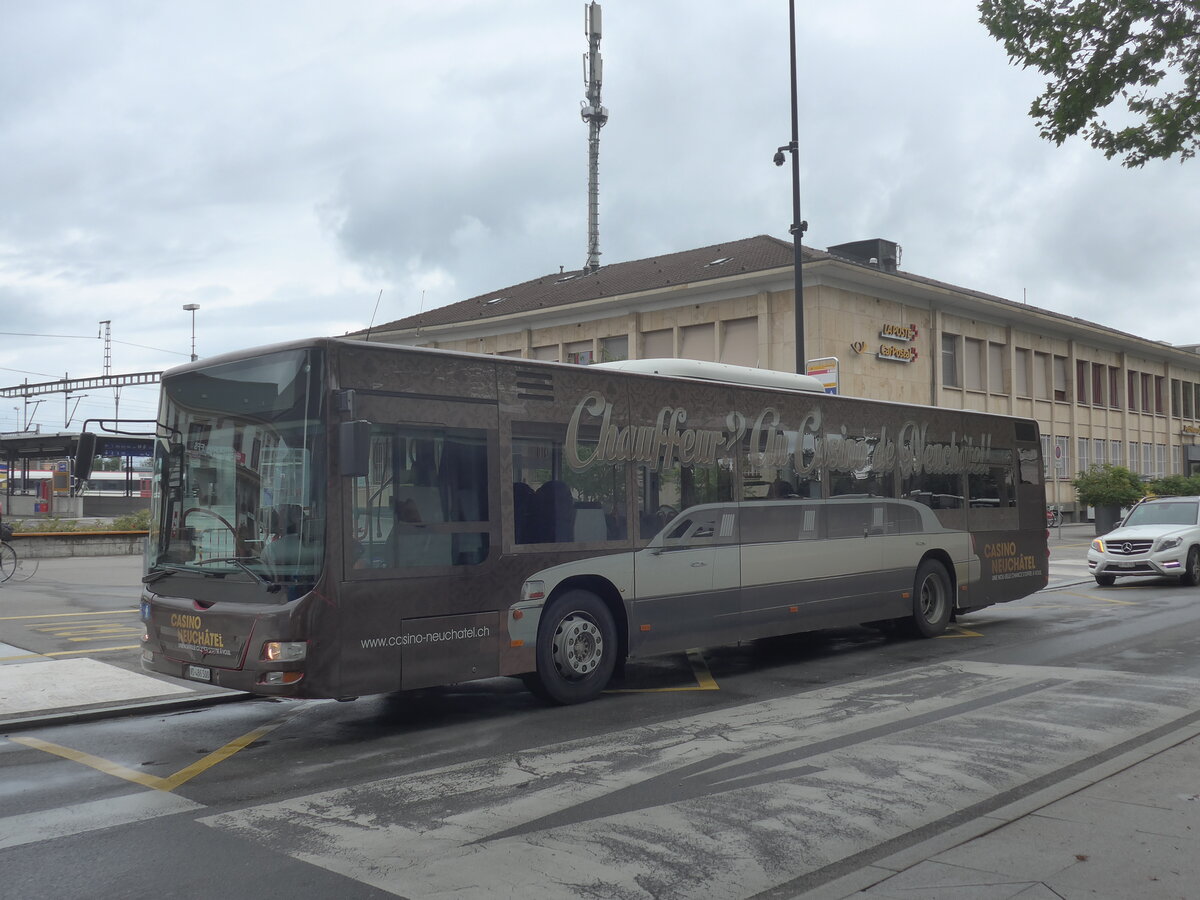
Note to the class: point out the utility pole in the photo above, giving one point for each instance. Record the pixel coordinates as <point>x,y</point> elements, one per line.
<point>107,323</point>
<point>798,226</point>
<point>595,115</point>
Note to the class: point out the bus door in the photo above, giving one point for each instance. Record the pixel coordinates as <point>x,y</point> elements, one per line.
<point>687,582</point>
<point>420,558</point>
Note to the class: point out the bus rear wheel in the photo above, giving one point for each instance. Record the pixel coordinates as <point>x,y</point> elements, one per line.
<point>932,601</point>
<point>576,649</point>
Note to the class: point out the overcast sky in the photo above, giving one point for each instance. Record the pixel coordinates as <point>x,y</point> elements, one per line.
<point>281,163</point>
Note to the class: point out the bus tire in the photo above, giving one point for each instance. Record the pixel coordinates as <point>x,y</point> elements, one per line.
<point>576,649</point>
<point>932,600</point>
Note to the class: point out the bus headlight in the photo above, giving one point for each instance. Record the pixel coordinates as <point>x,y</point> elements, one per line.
<point>284,651</point>
<point>533,590</point>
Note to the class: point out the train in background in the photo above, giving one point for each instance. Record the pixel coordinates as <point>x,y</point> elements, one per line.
<point>44,482</point>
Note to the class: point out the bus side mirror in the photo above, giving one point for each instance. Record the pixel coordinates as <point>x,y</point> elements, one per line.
<point>354,448</point>
<point>85,453</point>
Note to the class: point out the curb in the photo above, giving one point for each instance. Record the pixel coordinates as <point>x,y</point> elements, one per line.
<point>95,713</point>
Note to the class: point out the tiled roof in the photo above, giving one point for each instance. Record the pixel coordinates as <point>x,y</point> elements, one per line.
<point>754,254</point>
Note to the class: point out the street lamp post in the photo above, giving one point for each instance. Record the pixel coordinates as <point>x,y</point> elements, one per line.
<point>798,225</point>
<point>192,307</point>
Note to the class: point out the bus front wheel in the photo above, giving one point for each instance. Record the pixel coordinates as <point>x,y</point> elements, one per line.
<point>932,600</point>
<point>576,649</point>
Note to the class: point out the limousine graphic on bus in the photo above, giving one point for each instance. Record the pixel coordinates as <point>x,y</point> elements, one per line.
<point>741,571</point>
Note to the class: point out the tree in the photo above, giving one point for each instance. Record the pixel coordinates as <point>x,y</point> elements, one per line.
<point>1096,52</point>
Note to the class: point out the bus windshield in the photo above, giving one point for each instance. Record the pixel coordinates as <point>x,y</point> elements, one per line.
<point>239,478</point>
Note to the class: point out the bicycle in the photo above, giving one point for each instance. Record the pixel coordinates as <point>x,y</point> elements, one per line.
<point>1053,516</point>
<point>11,564</point>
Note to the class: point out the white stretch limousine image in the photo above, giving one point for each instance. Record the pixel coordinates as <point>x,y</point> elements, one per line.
<point>740,571</point>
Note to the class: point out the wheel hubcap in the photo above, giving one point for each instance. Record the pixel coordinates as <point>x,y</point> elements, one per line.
<point>578,646</point>
<point>931,600</point>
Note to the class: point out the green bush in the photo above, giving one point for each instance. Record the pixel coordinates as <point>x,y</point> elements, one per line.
<point>1175,486</point>
<point>138,521</point>
<point>1108,485</point>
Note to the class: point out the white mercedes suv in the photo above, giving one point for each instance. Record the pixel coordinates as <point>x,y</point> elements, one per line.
<point>1158,537</point>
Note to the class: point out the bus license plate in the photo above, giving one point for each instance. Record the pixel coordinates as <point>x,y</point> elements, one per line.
<point>199,673</point>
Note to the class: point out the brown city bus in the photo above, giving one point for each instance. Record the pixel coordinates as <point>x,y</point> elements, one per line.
<point>334,518</point>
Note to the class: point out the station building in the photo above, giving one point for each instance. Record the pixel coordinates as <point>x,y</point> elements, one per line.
<point>1100,395</point>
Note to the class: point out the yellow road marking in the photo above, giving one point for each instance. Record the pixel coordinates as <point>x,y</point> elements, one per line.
<point>704,680</point>
<point>1102,599</point>
<point>145,779</point>
<point>962,632</point>
<point>107,612</point>
<point>78,651</point>
<point>95,762</point>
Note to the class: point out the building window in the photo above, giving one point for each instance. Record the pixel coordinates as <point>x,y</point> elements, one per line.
<point>1046,456</point>
<point>1060,378</point>
<point>739,343</point>
<point>1114,452</point>
<point>1158,393</point>
<point>658,344</point>
<point>1160,460</point>
<point>950,361</point>
<point>1187,409</point>
<point>1148,459</point>
<point>1021,373</point>
<point>549,353</point>
<point>1098,384</point>
<point>1084,460</point>
<point>1062,456</point>
<point>581,353</point>
<point>1131,390</point>
<point>1146,395</point>
<point>614,349</point>
<point>1081,381</point>
<point>1176,398</point>
<point>1114,387</point>
<point>973,364</point>
<point>698,342</point>
<point>1041,376</point>
<point>1100,451</point>
<point>996,368</point>
<point>1135,458</point>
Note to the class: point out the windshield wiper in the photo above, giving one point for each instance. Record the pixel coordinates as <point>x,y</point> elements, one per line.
<point>239,561</point>
<point>272,587</point>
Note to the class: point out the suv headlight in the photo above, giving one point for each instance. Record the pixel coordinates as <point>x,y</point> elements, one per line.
<point>1098,545</point>
<point>1170,543</point>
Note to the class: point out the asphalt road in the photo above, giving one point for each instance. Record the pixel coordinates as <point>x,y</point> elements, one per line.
<point>765,770</point>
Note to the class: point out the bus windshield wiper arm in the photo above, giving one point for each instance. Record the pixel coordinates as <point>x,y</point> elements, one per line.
<point>151,577</point>
<point>240,562</point>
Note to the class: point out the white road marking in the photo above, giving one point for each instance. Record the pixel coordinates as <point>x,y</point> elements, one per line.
<point>45,825</point>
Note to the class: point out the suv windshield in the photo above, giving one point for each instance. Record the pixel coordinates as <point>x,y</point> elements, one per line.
<point>1182,512</point>
<point>238,487</point>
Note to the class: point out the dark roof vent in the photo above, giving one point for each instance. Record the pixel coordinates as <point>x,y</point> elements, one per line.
<point>877,253</point>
